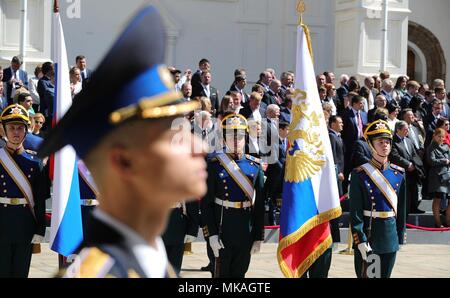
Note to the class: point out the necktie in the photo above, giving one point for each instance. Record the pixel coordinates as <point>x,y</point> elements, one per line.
<point>279,101</point>
<point>413,137</point>
<point>406,146</point>
<point>83,75</point>
<point>360,125</point>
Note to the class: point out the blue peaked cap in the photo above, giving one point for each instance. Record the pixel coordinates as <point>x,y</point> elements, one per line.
<point>130,83</point>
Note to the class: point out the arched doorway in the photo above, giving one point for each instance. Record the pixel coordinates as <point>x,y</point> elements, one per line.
<point>424,45</point>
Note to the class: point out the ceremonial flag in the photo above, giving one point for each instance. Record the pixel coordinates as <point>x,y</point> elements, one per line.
<point>310,195</point>
<point>66,225</point>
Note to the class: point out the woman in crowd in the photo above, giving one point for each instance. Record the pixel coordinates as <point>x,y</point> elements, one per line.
<point>400,88</point>
<point>39,120</point>
<point>438,158</point>
<point>75,81</point>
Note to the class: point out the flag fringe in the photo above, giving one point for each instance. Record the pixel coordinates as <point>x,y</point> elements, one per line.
<point>297,235</point>
<point>304,266</point>
<point>308,226</point>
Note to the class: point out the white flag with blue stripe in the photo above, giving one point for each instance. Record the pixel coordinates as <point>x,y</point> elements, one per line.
<point>66,226</point>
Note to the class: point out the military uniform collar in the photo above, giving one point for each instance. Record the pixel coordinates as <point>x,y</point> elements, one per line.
<point>153,261</point>
<point>378,165</point>
<point>236,156</point>
<point>15,152</point>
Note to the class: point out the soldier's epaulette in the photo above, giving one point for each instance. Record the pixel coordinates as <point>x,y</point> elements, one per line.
<point>94,263</point>
<point>252,158</point>
<point>31,152</point>
<point>396,167</point>
<point>213,159</point>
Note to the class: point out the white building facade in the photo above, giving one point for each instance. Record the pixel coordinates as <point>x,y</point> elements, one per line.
<point>253,34</point>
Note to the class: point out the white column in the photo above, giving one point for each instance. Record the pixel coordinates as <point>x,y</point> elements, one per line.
<point>23,29</point>
<point>363,44</point>
<point>384,35</point>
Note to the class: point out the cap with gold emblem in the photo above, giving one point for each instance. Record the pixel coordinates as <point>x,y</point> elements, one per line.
<point>235,122</point>
<point>130,83</point>
<point>377,130</point>
<point>15,113</point>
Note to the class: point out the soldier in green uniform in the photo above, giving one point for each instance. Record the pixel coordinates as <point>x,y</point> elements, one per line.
<point>120,125</point>
<point>233,208</point>
<point>377,206</point>
<point>24,189</point>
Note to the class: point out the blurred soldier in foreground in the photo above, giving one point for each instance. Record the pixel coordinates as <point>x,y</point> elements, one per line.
<point>120,125</point>
<point>23,190</point>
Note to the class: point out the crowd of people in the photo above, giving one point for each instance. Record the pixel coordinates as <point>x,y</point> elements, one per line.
<point>417,114</point>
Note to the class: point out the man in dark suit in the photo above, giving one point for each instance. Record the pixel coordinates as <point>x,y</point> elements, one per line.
<point>431,120</point>
<point>207,90</point>
<point>405,155</point>
<point>85,72</point>
<point>196,81</point>
<point>254,108</point>
<point>286,110</point>
<point>380,102</point>
<point>275,173</point>
<point>353,129</point>
<point>239,84</point>
<point>271,96</point>
<point>14,78</point>
<point>46,91</point>
<point>287,81</point>
<point>337,146</point>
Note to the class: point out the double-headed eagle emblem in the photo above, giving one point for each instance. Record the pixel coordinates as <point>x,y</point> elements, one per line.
<point>306,154</point>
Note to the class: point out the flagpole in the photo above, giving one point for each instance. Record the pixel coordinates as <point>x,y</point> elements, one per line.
<point>23,29</point>
<point>384,33</point>
<point>61,259</point>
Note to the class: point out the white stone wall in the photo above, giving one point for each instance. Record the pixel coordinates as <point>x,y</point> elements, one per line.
<point>253,34</point>
<point>434,15</point>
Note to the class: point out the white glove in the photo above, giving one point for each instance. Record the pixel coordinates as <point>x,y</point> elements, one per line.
<point>256,247</point>
<point>37,239</point>
<point>364,248</point>
<point>216,245</point>
<point>189,238</point>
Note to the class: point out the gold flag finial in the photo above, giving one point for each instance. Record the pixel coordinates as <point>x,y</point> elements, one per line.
<point>301,8</point>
